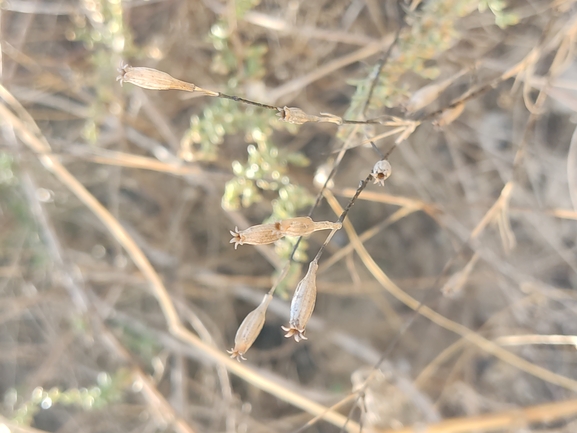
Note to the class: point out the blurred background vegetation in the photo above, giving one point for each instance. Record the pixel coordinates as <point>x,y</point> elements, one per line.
<point>478,218</point>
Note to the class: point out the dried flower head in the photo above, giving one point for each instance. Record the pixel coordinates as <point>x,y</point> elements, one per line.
<point>304,226</point>
<point>303,304</point>
<point>261,234</point>
<point>153,79</point>
<point>249,330</point>
<point>295,116</point>
<point>381,171</point>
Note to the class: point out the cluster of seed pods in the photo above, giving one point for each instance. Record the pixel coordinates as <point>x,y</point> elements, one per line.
<point>304,298</point>
<point>305,295</point>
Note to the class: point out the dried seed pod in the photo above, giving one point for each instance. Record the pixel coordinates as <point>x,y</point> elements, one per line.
<point>381,171</point>
<point>153,79</point>
<point>261,234</point>
<point>449,115</point>
<point>295,115</point>
<point>304,226</point>
<point>249,330</point>
<point>303,304</point>
<point>298,117</point>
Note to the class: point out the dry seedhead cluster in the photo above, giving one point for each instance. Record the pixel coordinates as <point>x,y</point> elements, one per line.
<point>264,234</point>
<point>304,298</point>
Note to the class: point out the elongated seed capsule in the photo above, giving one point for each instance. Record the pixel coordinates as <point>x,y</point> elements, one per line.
<point>153,79</point>
<point>303,304</point>
<point>449,116</point>
<point>261,234</point>
<point>249,330</point>
<point>298,117</point>
<point>303,226</point>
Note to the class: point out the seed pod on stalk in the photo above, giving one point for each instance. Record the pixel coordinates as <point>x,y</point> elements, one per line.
<point>260,234</point>
<point>304,226</point>
<point>249,330</point>
<point>303,304</point>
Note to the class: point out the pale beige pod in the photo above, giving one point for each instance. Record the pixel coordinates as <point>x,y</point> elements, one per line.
<point>303,304</point>
<point>153,79</point>
<point>381,171</point>
<point>449,115</point>
<point>304,226</point>
<point>249,330</point>
<point>261,234</point>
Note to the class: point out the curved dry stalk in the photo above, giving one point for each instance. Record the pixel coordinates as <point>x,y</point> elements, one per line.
<point>439,319</point>
<point>572,170</point>
<point>153,79</point>
<point>544,413</point>
<point>385,198</point>
<point>38,144</point>
<point>523,340</point>
<point>452,349</point>
<point>328,68</point>
<point>366,235</point>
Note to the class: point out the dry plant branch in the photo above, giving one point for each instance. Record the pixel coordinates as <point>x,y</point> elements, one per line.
<point>463,331</point>
<point>526,63</point>
<point>160,408</point>
<point>153,79</point>
<point>366,235</point>
<point>40,146</point>
<point>523,340</point>
<point>545,413</point>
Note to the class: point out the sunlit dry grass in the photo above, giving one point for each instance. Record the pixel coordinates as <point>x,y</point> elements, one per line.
<point>446,299</point>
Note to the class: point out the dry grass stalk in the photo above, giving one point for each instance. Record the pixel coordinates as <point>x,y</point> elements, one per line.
<point>458,280</point>
<point>426,95</point>
<point>30,134</point>
<point>439,319</point>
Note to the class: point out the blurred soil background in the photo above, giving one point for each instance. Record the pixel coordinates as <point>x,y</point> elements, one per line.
<point>117,318</point>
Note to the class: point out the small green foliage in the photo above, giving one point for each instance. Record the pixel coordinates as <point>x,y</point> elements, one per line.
<point>108,390</point>
<point>267,167</point>
<point>243,6</point>
<point>497,7</point>
<point>145,346</point>
<point>103,32</point>
<point>265,170</point>
<point>6,172</point>
<point>429,33</point>
<point>286,287</point>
